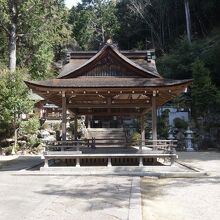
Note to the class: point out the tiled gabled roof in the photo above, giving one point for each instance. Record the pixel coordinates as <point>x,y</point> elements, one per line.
<point>135,60</point>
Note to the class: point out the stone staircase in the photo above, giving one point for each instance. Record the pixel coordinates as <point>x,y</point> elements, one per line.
<point>107,137</point>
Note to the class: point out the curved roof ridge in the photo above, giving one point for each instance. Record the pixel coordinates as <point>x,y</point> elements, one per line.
<point>133,63</point>
<point>115,50</point>
<point>86,63</point>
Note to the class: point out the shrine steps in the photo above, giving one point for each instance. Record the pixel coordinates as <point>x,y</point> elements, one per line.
<point>112,137</point>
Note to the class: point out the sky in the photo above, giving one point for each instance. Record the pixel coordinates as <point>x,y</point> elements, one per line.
<point>70,3</point>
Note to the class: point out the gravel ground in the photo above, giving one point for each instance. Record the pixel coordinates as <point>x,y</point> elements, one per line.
<point>185,198</point>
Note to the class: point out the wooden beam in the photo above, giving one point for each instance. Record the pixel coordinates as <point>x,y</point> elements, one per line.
<point>139,96</point>
<point>105,113</point>
<point>132,105</point>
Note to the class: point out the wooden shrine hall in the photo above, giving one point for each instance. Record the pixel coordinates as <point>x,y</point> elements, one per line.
<point>109,83</point>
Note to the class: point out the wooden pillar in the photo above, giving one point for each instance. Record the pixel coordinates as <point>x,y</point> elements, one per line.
<point>154,117</point>
<point>77,162</point>
<point>140,161</point>
<point>89,121</point>
<point>109,162</point>
<point>75,127</point>
<point>109,102</point>
<point>142,133</point>
<point>63,116</point>
<point>46,162</point>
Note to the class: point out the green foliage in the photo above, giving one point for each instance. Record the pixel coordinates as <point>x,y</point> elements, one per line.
<point>8,150</point>
<point>45,126</point>
<point>135,136</point>
<point>180,123</point>
<point>45,28</point>
<point>56,126</point>
<point>177,64</point>
<point>13,97</point>
<point>33,141</point>
<point>30,126</point>
<point>93,21</point>
<point>6,129</point>
<point>204,93</point>
<point>40,28</point>
<point>211,55</point>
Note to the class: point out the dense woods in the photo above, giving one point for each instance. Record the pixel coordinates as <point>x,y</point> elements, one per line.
<point>36,34</point>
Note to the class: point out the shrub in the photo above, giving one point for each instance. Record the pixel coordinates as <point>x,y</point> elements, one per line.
<point>8,150</point>
<point>33,141</point>
<point>45,126</point>
<point>30,126</point>
<point>56,126</point>
<point>135,136</point>
<point>180,123</point>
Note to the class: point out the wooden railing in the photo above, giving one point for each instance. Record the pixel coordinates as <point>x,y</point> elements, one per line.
<point>165,145</point>
<point>71,150</point>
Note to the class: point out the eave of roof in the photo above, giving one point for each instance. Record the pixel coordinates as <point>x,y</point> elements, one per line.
<point>106,82</point>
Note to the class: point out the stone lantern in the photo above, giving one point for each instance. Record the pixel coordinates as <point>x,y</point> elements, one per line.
<point>170,134</point>
<point>188,138</point>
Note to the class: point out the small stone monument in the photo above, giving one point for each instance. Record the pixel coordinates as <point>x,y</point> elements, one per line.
<point>188,138</point>
<point>170,134</point>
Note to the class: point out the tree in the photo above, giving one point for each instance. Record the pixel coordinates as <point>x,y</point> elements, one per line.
<point>204,94</point>
<point>142,9</point>
<point>32,26</point>
<point>13,99</point>
<point>177,63</point>
<point>188,20</point>
<point>94,21</point>
<point>162,19</point>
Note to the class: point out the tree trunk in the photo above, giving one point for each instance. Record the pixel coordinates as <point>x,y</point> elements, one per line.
<point>188,20</point>
<point>12,36</point>
<point>103,35</point>
<point>12,48</point>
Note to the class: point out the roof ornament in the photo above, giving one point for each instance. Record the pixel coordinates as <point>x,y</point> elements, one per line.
<point>109,41</point>
<point>67,57</point>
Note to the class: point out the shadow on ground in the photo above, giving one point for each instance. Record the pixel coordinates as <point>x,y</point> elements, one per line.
<point>20,163</point>
<point>96,193</point>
